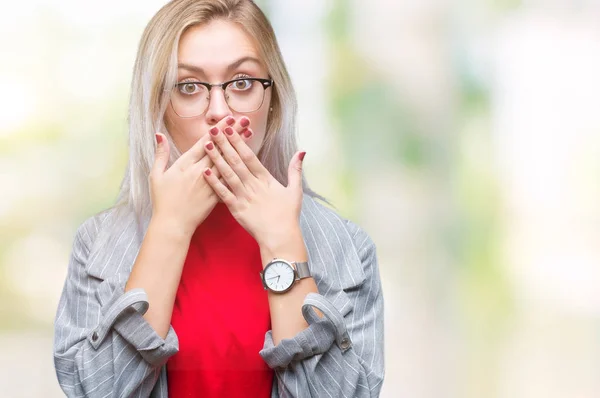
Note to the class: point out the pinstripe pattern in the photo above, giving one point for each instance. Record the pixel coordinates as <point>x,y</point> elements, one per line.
<point>103,347</point>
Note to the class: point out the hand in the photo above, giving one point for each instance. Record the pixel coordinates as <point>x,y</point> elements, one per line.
<point>263,206</point>
<point>180,195</point>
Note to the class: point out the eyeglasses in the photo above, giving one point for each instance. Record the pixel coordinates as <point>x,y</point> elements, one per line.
<point>243,95</point>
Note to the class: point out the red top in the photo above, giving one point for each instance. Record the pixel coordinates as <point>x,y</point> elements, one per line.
<point>221,315</point>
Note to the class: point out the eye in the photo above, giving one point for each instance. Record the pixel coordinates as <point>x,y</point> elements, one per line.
<point>188,88</point>
<point>242,85</point>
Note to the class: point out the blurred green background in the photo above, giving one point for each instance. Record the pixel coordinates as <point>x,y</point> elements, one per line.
<point>463,136</point>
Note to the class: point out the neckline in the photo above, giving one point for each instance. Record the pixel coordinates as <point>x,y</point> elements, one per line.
<point>218,220</point>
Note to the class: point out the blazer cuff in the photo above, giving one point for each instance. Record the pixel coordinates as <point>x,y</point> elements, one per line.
<point>124,313</point>
<point>316,339</point>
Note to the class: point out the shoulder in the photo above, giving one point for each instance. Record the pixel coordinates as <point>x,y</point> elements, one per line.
<point>316,215</point>
<point>334,242</point>
<point>89,229</point>
<point>92,228</point>
<point>109,240</point>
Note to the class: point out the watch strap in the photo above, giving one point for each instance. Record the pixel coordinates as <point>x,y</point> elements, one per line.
<point>302,270</point>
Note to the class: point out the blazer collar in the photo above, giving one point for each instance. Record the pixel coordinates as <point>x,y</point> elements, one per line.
<point>332,252</point>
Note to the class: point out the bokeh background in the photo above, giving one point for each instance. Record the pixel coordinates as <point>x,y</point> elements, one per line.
<point>462,135</point>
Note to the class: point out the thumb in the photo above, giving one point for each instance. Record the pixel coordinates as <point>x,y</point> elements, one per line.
<point>161,158</point>
<point>295,171</point>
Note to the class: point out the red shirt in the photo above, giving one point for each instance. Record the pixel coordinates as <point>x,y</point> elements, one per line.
<point>221,315</point>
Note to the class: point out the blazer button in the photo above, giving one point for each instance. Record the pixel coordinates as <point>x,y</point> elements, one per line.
<point>94,336</point>
<point>345,343</point>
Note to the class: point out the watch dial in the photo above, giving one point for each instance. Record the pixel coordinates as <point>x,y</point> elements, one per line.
<point>279,276</point>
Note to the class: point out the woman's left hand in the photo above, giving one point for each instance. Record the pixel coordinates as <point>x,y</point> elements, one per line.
<point>269,211</point>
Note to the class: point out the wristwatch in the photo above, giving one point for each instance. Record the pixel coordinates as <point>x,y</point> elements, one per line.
<point>279,275</point>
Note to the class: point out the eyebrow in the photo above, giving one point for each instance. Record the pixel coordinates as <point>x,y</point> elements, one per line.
<point>236,64</point>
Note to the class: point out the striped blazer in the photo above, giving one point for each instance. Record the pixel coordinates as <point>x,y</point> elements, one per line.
<point>103,347</point>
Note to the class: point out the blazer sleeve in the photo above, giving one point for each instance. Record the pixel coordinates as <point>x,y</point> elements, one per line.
<point>335,356</point>
<point>102,344</point>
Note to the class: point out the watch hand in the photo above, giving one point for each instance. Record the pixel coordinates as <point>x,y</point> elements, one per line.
<point>273,277</point>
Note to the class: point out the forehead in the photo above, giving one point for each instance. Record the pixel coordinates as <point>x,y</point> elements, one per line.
<point>215,45</point>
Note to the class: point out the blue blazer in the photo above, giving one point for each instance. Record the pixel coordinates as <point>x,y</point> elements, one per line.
<point>103,347</point>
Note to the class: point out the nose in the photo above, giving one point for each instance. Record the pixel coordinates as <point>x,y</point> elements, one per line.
<point>217,106</point>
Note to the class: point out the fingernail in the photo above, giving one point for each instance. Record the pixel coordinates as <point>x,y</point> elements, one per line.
<point>243,132</point>
<point>230,121</point>
<point>248,133</point>
<point>245,122</point>
<point>158,138</point>
<point>210,146</point>
<point>214,131</point>
<point>207,172</point>
<point>229,131</point>
<point>302,154</point>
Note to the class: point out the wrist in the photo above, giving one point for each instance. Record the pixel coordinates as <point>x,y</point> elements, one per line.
<point>288,246</point>
<point>170,229</point>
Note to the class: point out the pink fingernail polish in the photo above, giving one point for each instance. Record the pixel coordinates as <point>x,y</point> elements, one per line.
<point>207,172</point>
<point>210,146</point>
<point>245,122</point>
<point>230,121</point>
<point>229,131</point>
<point>248,133</point>
<point>214,131</point>
<point>301,156</point>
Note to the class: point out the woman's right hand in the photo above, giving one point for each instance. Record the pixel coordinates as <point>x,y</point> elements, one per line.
<point>181,197</point>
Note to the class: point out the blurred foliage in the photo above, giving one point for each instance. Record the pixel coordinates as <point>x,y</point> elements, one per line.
<point>371,118</point>
<point>377,128</point>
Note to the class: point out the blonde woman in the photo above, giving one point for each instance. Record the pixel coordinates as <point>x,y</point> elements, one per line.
<point>217,273</point>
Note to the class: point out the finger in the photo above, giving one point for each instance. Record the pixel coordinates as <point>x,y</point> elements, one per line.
<point>161,157</point>
<point>219,188</point>
<point>295,171</point>
<point>247,155</point>
<point>212,193</point>
<point>242,125</point>
<point>232,157</point>
<point>229,175</point>
<point>237,125</point>
<point>201,165</point>
<point>205,161</point>
<point>197,152</point>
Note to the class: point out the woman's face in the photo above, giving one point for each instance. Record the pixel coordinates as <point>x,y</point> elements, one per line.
<point>212,53</point>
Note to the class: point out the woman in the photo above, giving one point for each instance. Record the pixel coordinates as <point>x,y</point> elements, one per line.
<point>217,273</point>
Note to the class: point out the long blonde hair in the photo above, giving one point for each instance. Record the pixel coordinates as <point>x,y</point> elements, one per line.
<point>156,70</point>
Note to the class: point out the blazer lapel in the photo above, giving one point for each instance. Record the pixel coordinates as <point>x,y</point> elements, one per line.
<point>116,247</point>
<point>333,259</point>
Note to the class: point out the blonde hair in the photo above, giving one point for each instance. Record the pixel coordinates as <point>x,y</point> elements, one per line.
<point>155,71</point>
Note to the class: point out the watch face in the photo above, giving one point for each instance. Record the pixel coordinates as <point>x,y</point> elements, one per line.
<point>279,276</point>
